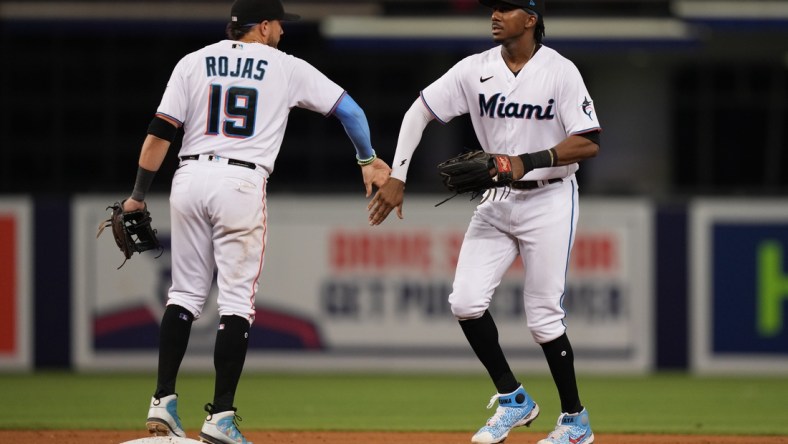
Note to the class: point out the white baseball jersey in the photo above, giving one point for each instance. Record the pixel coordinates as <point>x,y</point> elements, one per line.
<point>533,111</point>
<point>234,99</point>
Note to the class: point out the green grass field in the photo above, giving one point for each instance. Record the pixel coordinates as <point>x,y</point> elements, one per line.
<point>664,403</point>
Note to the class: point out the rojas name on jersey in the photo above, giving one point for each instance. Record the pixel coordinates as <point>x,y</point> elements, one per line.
<point>246,67</point>
<point>496,106</point>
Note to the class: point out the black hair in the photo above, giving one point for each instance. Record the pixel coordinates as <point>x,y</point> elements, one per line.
<point>236,30</point>
<point>539,31</point>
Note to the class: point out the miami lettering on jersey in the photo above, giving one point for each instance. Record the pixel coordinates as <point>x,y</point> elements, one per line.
<point>496,106</point>
<point>246,67</point>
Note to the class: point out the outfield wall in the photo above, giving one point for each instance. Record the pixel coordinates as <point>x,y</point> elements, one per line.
<point>16,292</point>
<point>336,294</point>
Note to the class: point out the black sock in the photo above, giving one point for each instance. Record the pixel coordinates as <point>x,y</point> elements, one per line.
<point>561,361</point>
<point>482,334</point>
<point>176,325</point>
<point>229,354</point>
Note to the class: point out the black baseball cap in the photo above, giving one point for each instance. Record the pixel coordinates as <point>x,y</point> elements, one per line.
<point>536,6</point>
<point>255,11</point>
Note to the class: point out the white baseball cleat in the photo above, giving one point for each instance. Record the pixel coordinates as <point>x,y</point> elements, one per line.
<point>163,417</point>
<point>221,428</point>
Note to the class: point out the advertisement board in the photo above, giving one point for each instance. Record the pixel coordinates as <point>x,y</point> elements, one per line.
<point>16,292</point>
<point>739,295</point>
<point>336,293</point>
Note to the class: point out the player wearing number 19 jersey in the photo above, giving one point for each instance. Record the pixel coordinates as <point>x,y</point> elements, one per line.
<point>236,97</point>
<point>232,100</point>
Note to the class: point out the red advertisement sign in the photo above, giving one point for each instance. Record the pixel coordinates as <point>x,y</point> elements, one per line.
<point>8,288</point>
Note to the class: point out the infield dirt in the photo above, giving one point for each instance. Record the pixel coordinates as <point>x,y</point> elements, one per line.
<point>263,437</point>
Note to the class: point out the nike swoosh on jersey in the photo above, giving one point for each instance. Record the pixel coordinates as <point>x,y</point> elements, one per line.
<point>484,79</point>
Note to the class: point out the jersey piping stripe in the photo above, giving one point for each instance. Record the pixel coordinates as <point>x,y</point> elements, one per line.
<point>589,130</point>
<point>336,104</point>
<point>170,118</point>
<point>568,251</point>
<point>262,253</point>
<point>424,101</point>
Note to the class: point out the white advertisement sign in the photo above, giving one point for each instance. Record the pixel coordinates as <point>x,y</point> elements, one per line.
<point>336,293</point>
<point>16,292</point>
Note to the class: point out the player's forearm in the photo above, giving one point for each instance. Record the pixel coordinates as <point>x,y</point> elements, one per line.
<point>574,149</point>
<point>570,150</point>
<point>413,124</point>
<point>357,128</point>
<point>153,151</point>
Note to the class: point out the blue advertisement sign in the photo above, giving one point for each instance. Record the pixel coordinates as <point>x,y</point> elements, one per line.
<point>749,294</point>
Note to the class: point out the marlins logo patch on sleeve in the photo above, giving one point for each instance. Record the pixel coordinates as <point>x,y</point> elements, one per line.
<point>588,107</point>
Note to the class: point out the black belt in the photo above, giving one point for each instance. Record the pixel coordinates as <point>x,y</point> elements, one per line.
<point>242,163</point>
<point>533,184</point>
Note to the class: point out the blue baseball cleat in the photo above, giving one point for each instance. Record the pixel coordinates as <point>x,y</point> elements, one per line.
<point>572,428</point>
<point>514,410</point>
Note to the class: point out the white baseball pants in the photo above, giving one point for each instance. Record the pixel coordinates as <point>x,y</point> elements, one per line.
<point>218,216</point>
<point>538,225</point>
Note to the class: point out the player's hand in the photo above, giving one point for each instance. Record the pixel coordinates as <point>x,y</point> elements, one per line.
<point>518,169</point>
<point>132,205</point>
<point>376,173</point>
<point>388,197</point>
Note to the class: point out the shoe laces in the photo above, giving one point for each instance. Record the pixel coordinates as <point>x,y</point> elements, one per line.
<point>236,432</point>
<point>493,399</point>
<point>236,419</point>
<point>498,412</point>
<point>560,429</point>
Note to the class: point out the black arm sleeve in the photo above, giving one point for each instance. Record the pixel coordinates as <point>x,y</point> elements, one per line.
<point>162,129</point>
<point>592,136</point>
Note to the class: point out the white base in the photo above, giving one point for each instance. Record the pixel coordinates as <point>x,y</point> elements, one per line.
<point>162,440</point>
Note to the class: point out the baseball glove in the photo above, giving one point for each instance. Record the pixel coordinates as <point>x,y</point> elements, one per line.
<point>132,230</point>
<point>475,172</point>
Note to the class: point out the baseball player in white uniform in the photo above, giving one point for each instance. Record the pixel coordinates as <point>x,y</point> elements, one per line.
<point>527,101</point>
<point>232,99</point>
